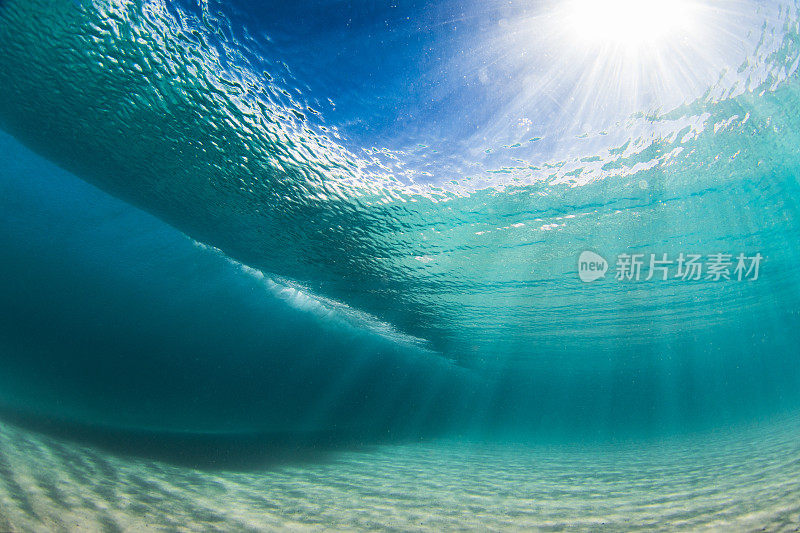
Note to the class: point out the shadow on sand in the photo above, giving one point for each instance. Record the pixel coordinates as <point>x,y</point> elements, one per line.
<point>203,451</point>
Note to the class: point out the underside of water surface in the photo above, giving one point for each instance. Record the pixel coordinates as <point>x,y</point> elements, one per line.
<point>399,265</point>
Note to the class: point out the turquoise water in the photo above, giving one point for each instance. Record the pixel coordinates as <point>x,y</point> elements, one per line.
<point>333,253</point>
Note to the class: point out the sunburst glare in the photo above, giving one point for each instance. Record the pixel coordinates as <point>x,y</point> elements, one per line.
<point>632,24</point>
<point>564,69</point>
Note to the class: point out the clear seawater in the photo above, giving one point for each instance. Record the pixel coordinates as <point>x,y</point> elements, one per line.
<point>318,265</point>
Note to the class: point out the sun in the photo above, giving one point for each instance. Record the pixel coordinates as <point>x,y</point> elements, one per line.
<point>629,23</point>
<point>616,58</point>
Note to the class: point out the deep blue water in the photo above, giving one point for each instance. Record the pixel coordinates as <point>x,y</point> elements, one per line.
<point>343,221</point>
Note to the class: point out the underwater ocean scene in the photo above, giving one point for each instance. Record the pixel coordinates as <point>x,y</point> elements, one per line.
<point>525,265</point>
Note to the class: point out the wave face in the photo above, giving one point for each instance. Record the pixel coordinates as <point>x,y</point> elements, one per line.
<point>421,187</point>
<point>114,319</point>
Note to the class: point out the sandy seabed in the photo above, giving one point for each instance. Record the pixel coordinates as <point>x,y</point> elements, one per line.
<point>743,480</point>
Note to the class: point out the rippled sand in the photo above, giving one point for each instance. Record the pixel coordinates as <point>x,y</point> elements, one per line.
<point>745,480</point>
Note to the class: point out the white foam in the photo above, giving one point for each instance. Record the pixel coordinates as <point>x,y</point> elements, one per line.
<point>324,309</point>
